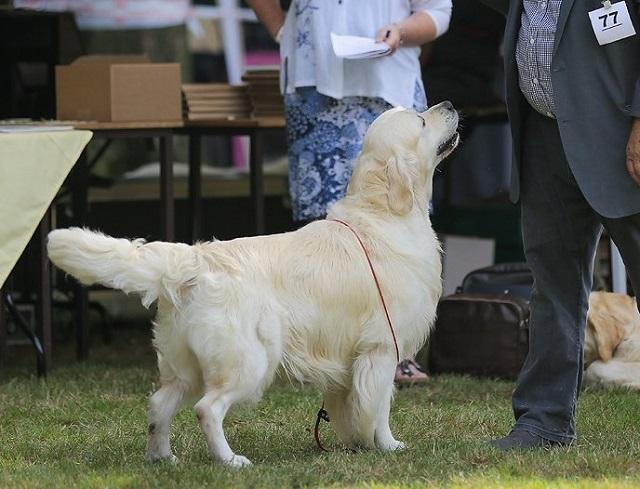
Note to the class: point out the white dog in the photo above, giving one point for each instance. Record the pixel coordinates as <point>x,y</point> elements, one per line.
<point>231,312</point>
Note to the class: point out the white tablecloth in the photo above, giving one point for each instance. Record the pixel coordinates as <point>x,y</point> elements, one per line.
<point>33,167</point>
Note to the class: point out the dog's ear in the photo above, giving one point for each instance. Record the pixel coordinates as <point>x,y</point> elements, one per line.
<point>399,179</point>
<point>607,334</point>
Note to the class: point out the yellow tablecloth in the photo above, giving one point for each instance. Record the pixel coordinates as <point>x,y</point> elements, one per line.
<point>33,167</point>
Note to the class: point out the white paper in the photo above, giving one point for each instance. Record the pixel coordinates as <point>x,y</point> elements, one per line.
<point>355,47</point>
<point>14,128</point>
<point>610,24</point>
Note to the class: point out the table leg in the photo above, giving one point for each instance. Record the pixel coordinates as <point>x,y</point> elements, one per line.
<point>43,311</point>
<point>166,187</point>
<point>80,182</point>
<point>256,180</point>
<point>195,187</point>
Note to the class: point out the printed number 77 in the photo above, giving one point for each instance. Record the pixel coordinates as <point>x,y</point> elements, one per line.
<point>605,17</point>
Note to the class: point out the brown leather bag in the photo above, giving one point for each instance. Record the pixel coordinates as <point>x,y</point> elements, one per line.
<point>480,334</point>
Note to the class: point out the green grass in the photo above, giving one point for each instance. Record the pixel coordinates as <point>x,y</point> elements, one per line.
<point>85,426</point>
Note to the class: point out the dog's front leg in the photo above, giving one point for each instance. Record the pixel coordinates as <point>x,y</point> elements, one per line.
<point>383,437</point>
<point>371,399</point>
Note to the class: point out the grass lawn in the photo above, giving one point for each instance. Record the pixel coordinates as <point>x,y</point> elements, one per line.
<point>85,426</point>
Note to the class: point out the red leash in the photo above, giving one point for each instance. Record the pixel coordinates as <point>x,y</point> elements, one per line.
<point>322,414</point>
<point>375,279</point>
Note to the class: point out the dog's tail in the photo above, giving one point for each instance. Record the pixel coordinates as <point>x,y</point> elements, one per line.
<point>150,269</point>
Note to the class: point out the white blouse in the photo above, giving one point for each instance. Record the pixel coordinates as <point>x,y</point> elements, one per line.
<point>307,57</point>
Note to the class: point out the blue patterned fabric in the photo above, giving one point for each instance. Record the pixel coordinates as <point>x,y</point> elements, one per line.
<point>325,136</point>
<point>304,10</point>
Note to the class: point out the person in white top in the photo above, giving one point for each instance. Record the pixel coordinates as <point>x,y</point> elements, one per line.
<point>330,102</point>
<point>339,84</point>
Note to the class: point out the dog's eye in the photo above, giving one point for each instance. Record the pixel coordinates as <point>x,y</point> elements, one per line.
<point>423,121</point>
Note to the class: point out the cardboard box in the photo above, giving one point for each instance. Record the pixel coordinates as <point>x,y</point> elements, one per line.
<point>118,89</point>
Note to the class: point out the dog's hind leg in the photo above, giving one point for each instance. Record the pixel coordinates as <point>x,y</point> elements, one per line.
<point>211,410</point>
<point>227,389</point>
<point>371,399</point>
<point>162,407</point>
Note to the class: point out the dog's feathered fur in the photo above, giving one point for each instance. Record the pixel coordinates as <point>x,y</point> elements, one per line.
<point>612,340</point>
<point>231,312</point>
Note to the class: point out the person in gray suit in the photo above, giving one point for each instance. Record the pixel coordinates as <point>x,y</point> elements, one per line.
<point>574,107</point>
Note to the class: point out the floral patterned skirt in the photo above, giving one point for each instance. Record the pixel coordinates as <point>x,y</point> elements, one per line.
<point>324,137</point>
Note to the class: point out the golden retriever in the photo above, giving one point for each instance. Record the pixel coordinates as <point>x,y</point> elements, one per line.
<point>231,312</point>
<point>612,340</point>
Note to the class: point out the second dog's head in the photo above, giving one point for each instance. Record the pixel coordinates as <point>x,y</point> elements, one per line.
<point>400,153</point>
<point>609,316</point>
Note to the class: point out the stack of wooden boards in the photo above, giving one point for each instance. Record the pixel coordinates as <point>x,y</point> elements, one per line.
<point>258,97</point>
<point>263,86</point>
<point>205,101</point>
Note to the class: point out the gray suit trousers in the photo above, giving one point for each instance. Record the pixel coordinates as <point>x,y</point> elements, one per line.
<point>560,235</point>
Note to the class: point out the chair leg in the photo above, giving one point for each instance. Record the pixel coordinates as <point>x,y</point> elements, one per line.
<point>107,330</point>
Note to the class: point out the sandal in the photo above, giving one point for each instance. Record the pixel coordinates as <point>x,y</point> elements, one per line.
<point>409,372</point>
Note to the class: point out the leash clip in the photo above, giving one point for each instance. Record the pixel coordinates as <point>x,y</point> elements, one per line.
<point>322,415</point>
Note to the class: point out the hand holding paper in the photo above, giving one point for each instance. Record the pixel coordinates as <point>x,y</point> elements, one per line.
<point>355,47</point>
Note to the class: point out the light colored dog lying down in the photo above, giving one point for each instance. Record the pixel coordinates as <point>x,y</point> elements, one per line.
<point>231,312</point>
<point>612,340</point>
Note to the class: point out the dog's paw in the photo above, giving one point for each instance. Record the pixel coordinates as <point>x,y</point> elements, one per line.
<point>237,461</point>
<point>399,445</point>
<point>392,446</point>
<point>155,457</point>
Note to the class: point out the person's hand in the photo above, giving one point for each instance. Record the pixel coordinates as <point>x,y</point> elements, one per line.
<point>390,34</point>
<point>633,152</point>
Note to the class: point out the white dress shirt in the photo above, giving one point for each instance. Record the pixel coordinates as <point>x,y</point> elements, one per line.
<point>534,52</point>
<point>307,57</point>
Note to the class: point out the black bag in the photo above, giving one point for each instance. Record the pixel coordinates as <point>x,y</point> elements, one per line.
<point>483,328</point>
<point>514,279</point>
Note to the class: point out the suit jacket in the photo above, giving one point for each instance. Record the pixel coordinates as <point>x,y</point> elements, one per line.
<point>596,95</point>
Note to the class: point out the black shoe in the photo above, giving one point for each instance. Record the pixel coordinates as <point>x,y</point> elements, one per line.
<point>522,440</point>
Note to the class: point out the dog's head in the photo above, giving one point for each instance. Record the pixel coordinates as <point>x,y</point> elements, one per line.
<point>400,153</point>
<point>609,313</point>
